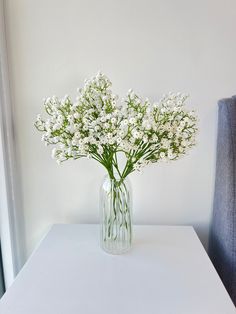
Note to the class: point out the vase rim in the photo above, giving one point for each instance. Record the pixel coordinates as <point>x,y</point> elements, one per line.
<point>116,177</point>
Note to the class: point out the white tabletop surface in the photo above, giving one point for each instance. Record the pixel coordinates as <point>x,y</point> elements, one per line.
<point>166,272</point>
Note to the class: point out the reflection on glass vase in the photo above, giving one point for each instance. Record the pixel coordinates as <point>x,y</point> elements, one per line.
<point>116,215</point>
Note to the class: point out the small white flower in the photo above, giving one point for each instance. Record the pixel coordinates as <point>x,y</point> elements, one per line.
<point>132,120</point>
<point>121,133</point>
<point>145,139</point>
<point>109,135</point>
<point>136,134</point>
<point>56,127</point>
<point>118,140</point>
<point>54,151</point>
<point>76,115</point>
<point>162,155</point>
<point>38,117</point>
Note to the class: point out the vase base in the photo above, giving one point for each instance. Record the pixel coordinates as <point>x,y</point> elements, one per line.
<point>115,247</point>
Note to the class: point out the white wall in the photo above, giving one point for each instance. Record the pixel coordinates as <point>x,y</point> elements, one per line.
<point>152,46</point>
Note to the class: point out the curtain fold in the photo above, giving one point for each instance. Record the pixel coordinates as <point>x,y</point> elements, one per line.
<point>2,285</point>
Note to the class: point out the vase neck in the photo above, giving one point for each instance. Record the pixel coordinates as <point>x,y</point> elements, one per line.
<point>116,178</point>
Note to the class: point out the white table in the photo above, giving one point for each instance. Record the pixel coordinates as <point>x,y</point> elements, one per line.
<point>166,272</point>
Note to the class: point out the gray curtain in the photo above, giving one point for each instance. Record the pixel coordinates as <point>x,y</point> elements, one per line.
<point>222,242</point>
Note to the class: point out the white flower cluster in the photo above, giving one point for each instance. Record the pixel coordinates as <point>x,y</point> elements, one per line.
<point>98,126</point>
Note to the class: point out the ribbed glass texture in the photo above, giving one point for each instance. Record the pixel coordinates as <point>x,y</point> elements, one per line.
<point>116,212</point>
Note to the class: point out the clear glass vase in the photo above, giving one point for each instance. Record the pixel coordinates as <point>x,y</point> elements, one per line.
<point>116,215</point>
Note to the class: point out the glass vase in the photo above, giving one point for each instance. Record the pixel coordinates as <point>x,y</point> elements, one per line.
<point>116,215</point>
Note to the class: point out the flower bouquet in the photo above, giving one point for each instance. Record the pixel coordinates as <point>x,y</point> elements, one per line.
<point>100,126</point>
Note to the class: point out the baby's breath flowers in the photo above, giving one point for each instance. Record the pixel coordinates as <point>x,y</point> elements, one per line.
<point>99,126</point>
